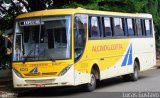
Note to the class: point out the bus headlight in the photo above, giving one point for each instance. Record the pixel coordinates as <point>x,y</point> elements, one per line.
<point>17,73</point>
<point>64,70</point>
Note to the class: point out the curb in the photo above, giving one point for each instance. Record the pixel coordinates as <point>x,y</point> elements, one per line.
<point>5,77</point>
<point>7,87</point>
<point>5,81</point>
<point>157,66</point>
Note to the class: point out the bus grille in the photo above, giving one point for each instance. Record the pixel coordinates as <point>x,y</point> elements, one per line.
<point>32,74</point>
<point>38,74</point>
<point>46,81</point>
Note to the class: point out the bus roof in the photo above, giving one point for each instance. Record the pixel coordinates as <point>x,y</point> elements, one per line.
<point>71,11</point>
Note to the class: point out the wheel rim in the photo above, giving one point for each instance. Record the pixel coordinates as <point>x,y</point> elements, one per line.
<point>136,72</point>
<point>92,83</point>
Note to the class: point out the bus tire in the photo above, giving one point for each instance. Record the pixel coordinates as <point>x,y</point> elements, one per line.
<point>92,85</point>
<point>135,74</point>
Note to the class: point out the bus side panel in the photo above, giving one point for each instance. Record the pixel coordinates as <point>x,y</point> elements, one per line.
<point>114,57</point>
<point>81,75</point>
<point>144,50</point>
<point>109,54</point>
<point>123,65</point>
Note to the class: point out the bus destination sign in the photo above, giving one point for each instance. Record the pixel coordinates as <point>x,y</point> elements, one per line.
<point>29,23</point>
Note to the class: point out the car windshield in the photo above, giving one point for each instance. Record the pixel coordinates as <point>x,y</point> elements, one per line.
<point>45,38</point>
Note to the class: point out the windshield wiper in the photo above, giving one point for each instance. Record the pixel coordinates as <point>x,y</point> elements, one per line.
<point>28,55</point>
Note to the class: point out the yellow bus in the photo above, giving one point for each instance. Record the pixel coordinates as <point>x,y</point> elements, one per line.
<point>70,47</point>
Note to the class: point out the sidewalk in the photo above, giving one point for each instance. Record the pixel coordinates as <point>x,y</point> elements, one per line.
<point>157,66</point>
<point>6,84</point>
<point>5,80</point>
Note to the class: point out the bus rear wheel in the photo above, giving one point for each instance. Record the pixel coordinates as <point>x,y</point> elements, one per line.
<point>133,76</point>
<point>92,85</point>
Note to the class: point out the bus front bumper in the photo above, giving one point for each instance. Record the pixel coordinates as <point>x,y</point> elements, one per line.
<point>66,80</point>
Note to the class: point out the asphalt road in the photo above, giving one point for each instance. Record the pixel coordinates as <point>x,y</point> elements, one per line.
<point>148,86</point>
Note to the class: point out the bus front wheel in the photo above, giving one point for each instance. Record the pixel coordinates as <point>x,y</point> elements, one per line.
<point>92,85</point>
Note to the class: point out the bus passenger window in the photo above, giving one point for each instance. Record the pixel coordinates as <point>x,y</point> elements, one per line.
<point>139,27</point>
<point>118,27</point>
<point>107,27</point>
<point>147,27</point>
<point>130,27</point>
<point>94,28</point>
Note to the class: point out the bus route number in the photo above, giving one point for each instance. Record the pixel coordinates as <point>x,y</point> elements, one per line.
<point>23,69</point>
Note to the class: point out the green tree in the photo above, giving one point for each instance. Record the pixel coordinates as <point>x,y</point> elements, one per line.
<point>133,6</point>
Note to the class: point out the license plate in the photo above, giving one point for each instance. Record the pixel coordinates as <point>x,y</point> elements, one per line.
<point>40,85</point>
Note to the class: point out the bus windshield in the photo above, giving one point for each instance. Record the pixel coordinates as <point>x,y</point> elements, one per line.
<point>44,38</point>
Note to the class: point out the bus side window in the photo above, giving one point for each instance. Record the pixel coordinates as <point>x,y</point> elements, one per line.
<point>130,27</point>
<point>118,27</point>
<point>125,27</point>
<point>139,27</point>
<point>94,27</point>
<point>143,27</point>
<point>147,27</point>
<point>107,27</point>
